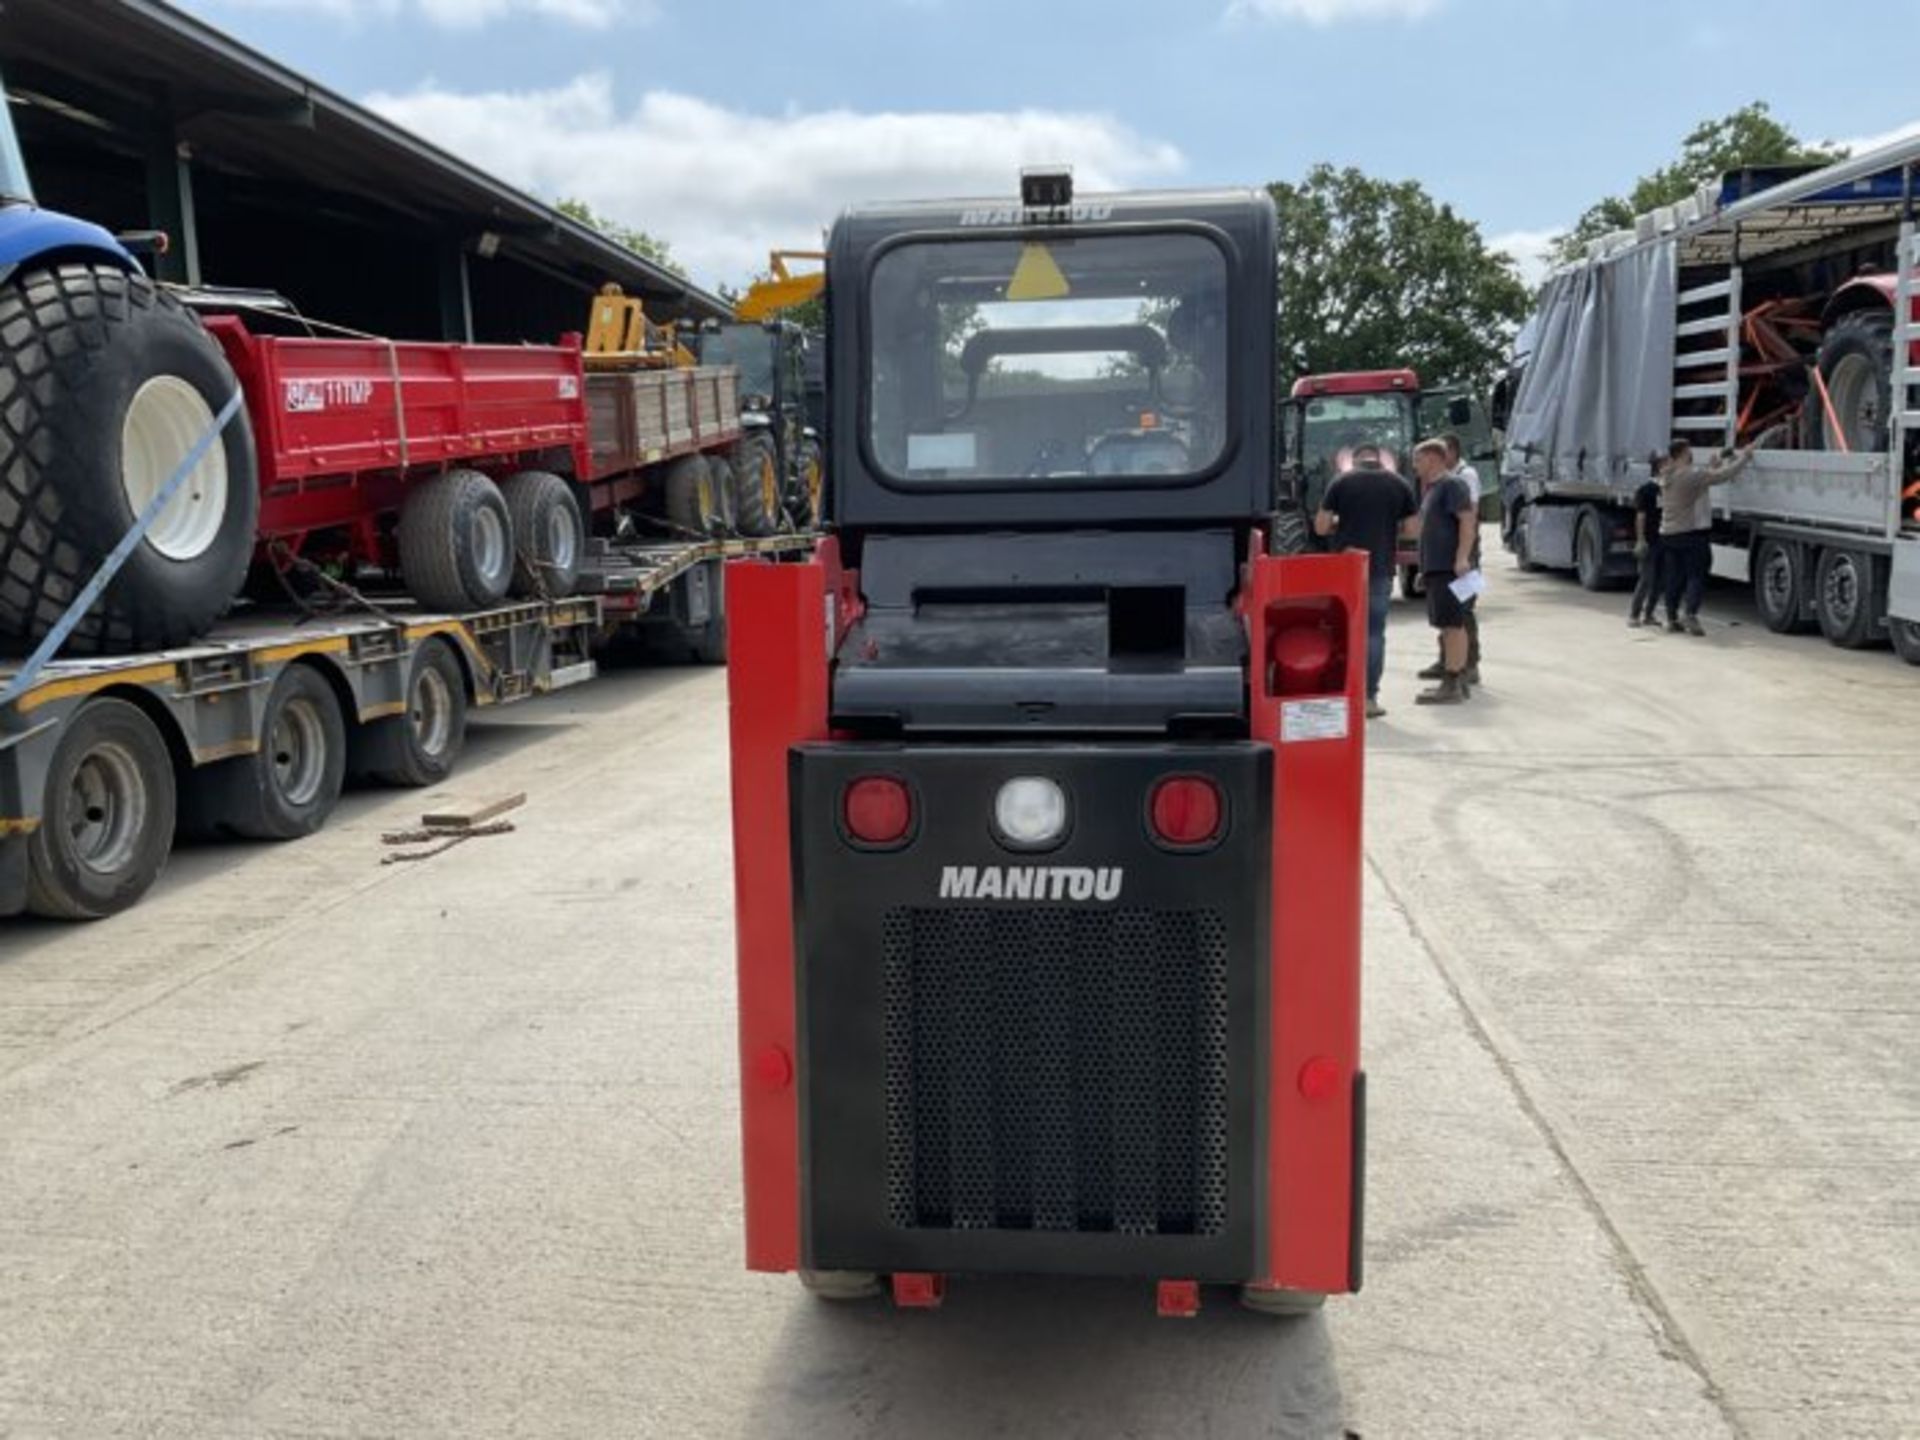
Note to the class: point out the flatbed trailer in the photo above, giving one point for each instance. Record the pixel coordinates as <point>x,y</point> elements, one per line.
<point>252,731</point>
<point>1789,316</point>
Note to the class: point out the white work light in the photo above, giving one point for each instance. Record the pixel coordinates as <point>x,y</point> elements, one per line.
<point>1030,812</point>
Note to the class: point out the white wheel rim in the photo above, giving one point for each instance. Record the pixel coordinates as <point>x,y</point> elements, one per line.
<point>107,809</point>
<point>1853,390</point>
<point>489,543</point>
<point>165,419</point>
<point>559,539</point>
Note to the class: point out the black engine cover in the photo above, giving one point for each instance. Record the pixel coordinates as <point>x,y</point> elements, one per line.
<point>1038,1063</point>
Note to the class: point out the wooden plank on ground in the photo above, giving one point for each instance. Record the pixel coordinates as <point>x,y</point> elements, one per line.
<point>465,814</point>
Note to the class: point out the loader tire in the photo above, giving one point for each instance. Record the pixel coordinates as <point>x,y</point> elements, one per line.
<point>289,786</point>
<point>1856,362</point>
<point>107,827</point>
<point>693,496</point>
<point>106,382</point>
<point>549,535</point>
<point>756,487</point>
<point>1264,1300</point>
<point>456,542</point>
<point>810,487</point>
<point>1288,533</point>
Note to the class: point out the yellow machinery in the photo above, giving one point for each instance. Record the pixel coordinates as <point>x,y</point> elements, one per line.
<point>621,337</point>
<point>782,289</point>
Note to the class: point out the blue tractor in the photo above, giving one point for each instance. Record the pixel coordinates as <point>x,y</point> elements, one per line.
<point>107,381</point>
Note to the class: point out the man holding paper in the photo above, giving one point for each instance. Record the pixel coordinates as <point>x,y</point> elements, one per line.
<point>1449,529</point>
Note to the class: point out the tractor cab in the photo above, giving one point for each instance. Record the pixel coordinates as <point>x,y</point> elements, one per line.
<point>1046,778</point>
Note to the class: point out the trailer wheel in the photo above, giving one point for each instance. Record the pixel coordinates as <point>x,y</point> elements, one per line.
<point>548,534</point>
<point>1780,586</point>
<point>1849,598</point>
<point>1282,1303</point>
<point>1522,547</point>
<point>693,500</point>
<point>106,383</point>
<point>417,748</point>
<point>1905,635</point>
<point>1590,550</point>
<point>289,786</point>
<point>756,486</point>
<point>1856,361</point>
<point>106,828</point>
<point>456,542</point>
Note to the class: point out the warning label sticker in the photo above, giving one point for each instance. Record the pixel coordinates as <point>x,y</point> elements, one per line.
<point>1302,720</point>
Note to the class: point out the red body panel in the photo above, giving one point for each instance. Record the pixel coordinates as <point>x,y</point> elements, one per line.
<point>777,678</point>
<point>1317,859</point>
<point>338,424</point>
<point>1886,286</point>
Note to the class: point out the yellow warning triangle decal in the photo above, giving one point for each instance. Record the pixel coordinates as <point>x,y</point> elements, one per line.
<point>1037,277</point>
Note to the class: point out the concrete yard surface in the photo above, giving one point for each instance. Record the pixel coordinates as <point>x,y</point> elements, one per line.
<point>305,1145</point>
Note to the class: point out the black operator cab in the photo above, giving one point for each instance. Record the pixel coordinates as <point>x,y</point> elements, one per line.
<point>1057,428</point>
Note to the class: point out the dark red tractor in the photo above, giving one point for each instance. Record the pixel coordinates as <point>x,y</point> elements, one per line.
<point>1047,779</point>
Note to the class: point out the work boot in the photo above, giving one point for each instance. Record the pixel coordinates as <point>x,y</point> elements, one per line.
<point>1451,690</point>
<point>1472,677</point>
<point>1435,671</point>
<point>1375,709</point>
<point>1673,626</point>
<point>1694,627</point>
<point>1634,622</point>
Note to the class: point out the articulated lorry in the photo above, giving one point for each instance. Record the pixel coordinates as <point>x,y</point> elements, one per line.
<point>475,518</point>
<point>1777,309</point>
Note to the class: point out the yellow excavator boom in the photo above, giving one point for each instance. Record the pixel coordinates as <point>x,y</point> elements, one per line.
<point>782,289</point>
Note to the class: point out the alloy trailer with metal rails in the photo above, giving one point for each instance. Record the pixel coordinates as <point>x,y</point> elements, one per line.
<point>252,731</point>
<point>1047,779</point>
<point>1779,308</point>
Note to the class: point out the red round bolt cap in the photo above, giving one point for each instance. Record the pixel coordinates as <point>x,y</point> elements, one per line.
<point>773,1068</point>
<point>1320,1078</point>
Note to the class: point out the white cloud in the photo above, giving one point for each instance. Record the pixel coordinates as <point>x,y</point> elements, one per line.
<point>1529,250</point>
<point>1862,143</point>
<point>468,14</point>
<point>1331,12</point>
<point>724,186</point>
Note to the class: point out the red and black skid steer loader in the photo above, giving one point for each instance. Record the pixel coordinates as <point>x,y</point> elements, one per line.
<point>1047,779</point>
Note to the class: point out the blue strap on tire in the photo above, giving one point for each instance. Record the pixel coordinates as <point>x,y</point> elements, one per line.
<point>110,567</point>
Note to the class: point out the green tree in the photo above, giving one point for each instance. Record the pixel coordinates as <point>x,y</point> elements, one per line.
<point>648,247</point>
<point>1376,274</point>
<point>1750,136</point>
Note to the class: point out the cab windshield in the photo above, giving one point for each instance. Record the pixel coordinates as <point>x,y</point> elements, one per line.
<point>747,347</point>
<point>13,168</point>
<point>1056,362</point>
<point>1334,426</point>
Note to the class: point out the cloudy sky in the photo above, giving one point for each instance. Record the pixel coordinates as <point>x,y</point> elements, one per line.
<point>733,126</point>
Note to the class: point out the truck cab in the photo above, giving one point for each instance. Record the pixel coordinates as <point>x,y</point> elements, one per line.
<point>1047,778</point>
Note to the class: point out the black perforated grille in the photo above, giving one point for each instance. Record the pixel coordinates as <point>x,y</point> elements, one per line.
<point>1056,1069</point>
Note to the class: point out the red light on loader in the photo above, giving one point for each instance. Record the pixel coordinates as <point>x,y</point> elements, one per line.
<point>877,810</point>
<point>1185,811</point>
<point>1306,648</point>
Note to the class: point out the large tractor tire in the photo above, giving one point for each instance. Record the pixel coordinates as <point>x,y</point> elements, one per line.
<point>757,487</point>
<point>1856,362</point>
<point>1288,533</point>
<point>694,503</point>
<point>456,542</point>
<point>549,534</point>
<point>106,383</point>
<point>289,786</point>
<point>108,825</point>
<point>809,505</point>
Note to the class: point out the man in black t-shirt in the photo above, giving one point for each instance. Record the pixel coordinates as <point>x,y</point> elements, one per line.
<point>1646,548</point>
<point>1367,508</point>
<point>1449,530</point>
